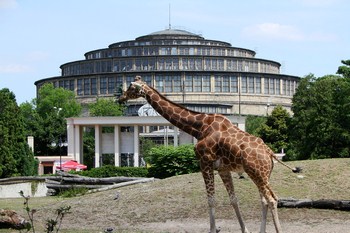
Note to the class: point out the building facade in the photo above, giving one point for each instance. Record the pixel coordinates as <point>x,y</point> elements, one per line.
<point>204,75</point>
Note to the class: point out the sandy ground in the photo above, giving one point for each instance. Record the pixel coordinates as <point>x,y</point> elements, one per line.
<point>202,225</point>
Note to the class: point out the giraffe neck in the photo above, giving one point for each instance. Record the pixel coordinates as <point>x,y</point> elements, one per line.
<point>189,121</point>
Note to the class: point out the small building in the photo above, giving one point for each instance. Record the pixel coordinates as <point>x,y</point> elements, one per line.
<point>124,142</point>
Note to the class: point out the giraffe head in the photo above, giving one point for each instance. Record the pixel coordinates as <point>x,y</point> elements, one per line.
<point>134,91</point>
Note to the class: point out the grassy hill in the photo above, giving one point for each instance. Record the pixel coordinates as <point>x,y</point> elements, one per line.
<point>183,198</point>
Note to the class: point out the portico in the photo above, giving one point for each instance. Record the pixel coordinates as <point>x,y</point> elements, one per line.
<point>120,141</point>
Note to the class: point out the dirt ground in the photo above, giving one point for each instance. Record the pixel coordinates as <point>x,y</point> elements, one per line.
<point>202,225</point>
<point>179,204</point>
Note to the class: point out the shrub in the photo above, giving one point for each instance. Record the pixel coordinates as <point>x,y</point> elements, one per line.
<point>112,171</point>
<point>166,161</point>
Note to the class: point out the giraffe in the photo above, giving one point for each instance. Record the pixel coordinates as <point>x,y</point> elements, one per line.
<point>221,146</point>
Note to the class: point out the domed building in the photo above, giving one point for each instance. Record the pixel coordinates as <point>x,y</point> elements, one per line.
<point>204,75</point>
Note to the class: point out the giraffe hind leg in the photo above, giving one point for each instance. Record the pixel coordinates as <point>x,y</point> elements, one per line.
<point>271,200</point>
<point>264,207</point>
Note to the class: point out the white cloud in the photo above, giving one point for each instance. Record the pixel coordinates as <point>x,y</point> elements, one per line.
<point>275,31</point>
<point>318,3</point>
<point>8,4</point>
<point>14,68</point>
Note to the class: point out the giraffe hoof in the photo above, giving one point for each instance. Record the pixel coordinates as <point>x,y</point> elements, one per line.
<point>217,230</point>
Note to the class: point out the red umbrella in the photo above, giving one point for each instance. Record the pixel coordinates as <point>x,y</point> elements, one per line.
<point>72,165</point>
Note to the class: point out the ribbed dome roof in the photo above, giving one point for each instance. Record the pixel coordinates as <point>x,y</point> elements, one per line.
<point>170,33</point>
<point>173,32</point>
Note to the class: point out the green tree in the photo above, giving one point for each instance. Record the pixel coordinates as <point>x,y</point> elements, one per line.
<point>320,126</point>
<point>15,156</point>
<point>45,117</point>
<point>253,123</point>
<point>344,70</point>
<point>275,131</point>
<point>105,107</point>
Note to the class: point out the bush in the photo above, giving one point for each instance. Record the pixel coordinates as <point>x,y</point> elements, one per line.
<point>166,161</point>
<point>112,171</point>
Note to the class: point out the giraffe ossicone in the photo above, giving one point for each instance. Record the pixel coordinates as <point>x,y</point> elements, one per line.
<point>220,145</point>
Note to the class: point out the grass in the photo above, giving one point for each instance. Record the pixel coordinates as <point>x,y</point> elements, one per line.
<point>184,197</point>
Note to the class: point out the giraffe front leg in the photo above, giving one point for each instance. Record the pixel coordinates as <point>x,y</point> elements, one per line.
<point>208,176</point>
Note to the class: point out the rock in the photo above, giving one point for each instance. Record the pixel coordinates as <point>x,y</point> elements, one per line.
<point>10,219</point>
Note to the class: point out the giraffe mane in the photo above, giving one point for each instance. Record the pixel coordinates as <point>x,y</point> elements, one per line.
<point>176,104</point>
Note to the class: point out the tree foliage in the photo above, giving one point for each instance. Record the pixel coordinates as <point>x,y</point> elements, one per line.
<point>321,123</point>
<point>344,70</point>
<point>169,161</point>
<point>45,117</point>
<point>274,131</point>
<point>253,123</point>
<point>15,156</point>
<point>105,107</point>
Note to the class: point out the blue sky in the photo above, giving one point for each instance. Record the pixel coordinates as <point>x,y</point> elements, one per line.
<point>36,37</point>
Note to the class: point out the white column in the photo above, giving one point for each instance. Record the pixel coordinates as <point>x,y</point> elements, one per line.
<point>117,145</point>
<point>176,136</point>
<point>77,144</point>
<point>97,145</point>
<point>136,145</point>
<point>70,138</point>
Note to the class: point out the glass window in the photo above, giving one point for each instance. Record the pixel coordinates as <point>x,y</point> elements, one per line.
<point>234,84</point>
<point>278,87</point>
<point>147,79</point>
<point>111,85</point>
<point>272,86</point>
<point>138,64</point>
<point>185,63</point>
<point>177,83</point>
<point>103,85</point>
<point>161,64</point>
<point>207,65</point>
<point>151,64</point>
<point>168,84</point>
<point>206,83</point>
<point>244,84</point>
<point>175,63</point>
<point>288,92</point>
<point>266,85</point>
<point>173,51</point>
<point>251,85</point>
<point>191,64</point>
<point>221,64</point>
<point>80,86</point>
<point>214,63</point>
<point>93,86</point>
<point>115,66</point>
<point>168,64</point>
<point>188,84</point>
<point>225,84</point>
<point>159,83</point>
<point>86,86</point>
<point>257,85</point>
<point>218,83</point>
<point>198,64</point>
<point>197,81</point>
<point>61,83</point>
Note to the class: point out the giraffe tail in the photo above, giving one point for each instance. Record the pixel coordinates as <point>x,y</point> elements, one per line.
<point>295,169</point>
